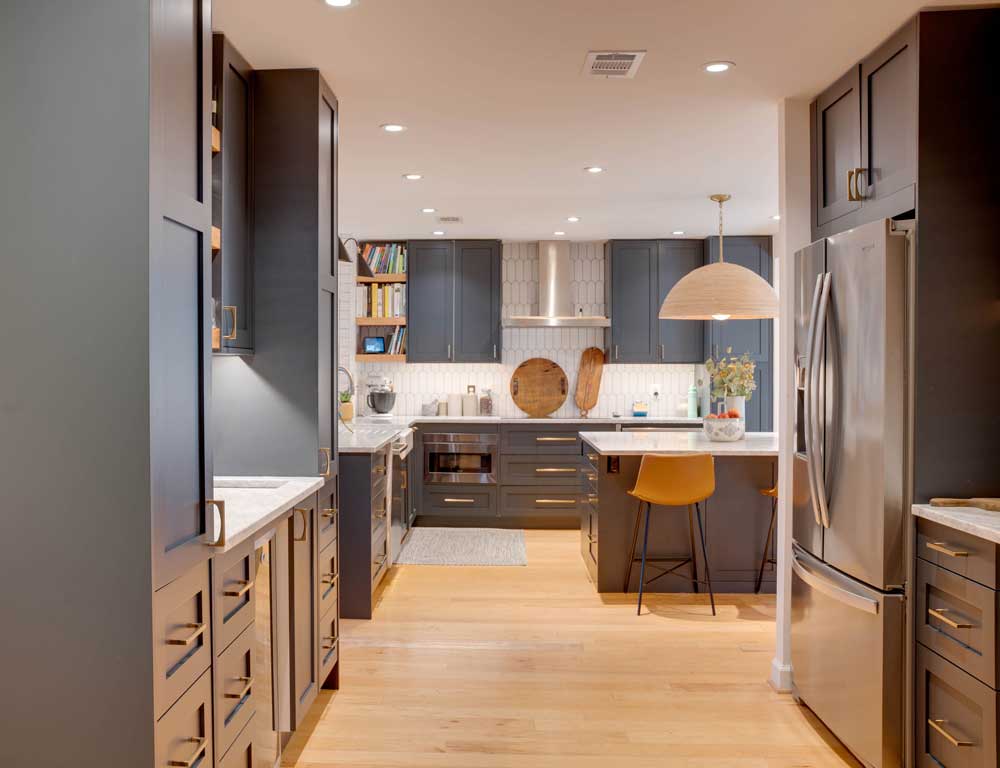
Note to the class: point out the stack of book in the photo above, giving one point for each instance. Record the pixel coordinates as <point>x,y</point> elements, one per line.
<point>397,343</point>
<point>381,300</point>
<point>387,259</point>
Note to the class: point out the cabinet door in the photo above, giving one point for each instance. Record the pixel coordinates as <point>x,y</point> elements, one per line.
<point>680,341</point>
<point>477,301</point>
<point>327,192</point>
<point>634,309</point>
<point>889,126</point>
<point>836,147</point>
<point>303,618</point>
<point>326,383</point>
<point>430,294</point>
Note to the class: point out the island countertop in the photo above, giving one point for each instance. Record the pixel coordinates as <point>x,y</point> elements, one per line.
<point>678,444</point>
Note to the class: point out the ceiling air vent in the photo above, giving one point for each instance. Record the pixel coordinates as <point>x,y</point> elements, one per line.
<point>613,63</point>
<point>450,219</point>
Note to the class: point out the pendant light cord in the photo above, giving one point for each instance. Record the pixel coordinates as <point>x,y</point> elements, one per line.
<point>720,231</point>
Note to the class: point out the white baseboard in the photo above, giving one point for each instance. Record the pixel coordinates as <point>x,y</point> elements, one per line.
<point>781,677</point>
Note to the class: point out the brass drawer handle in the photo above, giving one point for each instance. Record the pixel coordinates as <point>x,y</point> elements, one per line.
<point>380,469</point>
<point>379,563</point>
<point>571,502</point>
<point>591,476</point>
<point>591,538</point>
<point>330,578</point>
<point>246,688</point>
<point>556,470</point>
<point>593,498</point>
<point>330,514</point>
<point>199,630</point>
<point>332,642</point>
<point>403,482</point>
<point>379,515</point>
<point>199,753</point>
<point>232,312</point>
<point>939,614</point>
<point>555,439</point>
<point>592,458</point>
<point>221,506</point>
<point>305,524</point>
<point>328,467</point>
<point>944,549</point>
<point>247,586</point>
<point>448,500</point>
<point>939,726</point>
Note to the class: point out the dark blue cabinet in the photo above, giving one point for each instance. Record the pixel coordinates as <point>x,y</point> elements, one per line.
<point>429,303</point>
<point>681,341</point>
<point>477,301</point>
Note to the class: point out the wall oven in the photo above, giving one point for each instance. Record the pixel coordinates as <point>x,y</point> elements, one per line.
<point>453,457</point>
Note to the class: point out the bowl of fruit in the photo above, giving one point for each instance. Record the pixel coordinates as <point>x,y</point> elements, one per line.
<point>725,427</point>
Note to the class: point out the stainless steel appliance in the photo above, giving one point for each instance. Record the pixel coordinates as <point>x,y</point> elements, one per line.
<point>402,511</point>
<point>381,398</point>
<point>460,458</point>
<point>850,477</point>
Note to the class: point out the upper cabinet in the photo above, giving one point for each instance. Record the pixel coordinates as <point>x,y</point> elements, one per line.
<point>453,301</point>
<point>640,275</point>
<point>864,139</point>
<point>232,200</point>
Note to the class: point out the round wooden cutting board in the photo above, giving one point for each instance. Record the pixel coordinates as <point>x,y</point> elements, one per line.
<point>539,386</point>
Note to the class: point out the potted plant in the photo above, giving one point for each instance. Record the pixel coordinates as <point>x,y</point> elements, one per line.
<point>346,406</point>
<point>732,380</point>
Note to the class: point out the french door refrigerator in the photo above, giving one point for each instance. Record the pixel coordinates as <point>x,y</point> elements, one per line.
<point>850,481</point>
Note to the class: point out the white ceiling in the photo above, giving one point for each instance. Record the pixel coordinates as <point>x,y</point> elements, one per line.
<point>501,121</point>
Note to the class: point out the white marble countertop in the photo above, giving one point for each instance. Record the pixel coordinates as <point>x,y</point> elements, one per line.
<point>679,443</point>
<point>253,503</point>
<point>367,437</point>
<point>408,421</point>
<point>979,522</point>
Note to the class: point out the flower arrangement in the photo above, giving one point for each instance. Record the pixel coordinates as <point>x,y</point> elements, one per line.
<point>731,376</point>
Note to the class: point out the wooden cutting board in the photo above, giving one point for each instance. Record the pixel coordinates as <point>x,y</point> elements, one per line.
<point>539,386</point>
<point>991,505</point>
<point>588,380</point>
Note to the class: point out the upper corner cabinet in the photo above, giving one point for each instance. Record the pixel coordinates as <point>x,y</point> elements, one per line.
<point>232,200</point>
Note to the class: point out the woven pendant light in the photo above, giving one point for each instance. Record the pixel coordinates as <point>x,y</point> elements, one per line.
<point>720,291</point>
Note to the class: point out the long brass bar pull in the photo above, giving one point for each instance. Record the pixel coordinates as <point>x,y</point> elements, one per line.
<point>232,334</point>
<point>248,684</point>
<point>570,502</point>
<point>939,726</point>
<point>556,470</point>
<point>939,614</point>
<point>944,549</point>
<point>245,586</point>
<point>459,501</point>
<point>199,753</point>
<point>555,439</point>
<point>199,630</point>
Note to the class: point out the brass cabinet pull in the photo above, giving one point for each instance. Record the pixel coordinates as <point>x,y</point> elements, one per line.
<point>592,458</point>
<point>556,470</point>
<point>571,502</point>
<point>380,469</point>
<point>246,587</point>
<point>591,476</point>
<point>330,514</point>
<point>378,563</point>
<point>199,630</point>
<point>593,498</point>
<point>305,524</point>
<point>939,614</point>
<point>591,538</point>
<point>232,312</point>
<point>403,482</point>
<point>448,500</point>
<point>328,467</point>
<point>332,643</point>
<point>248,684</point>
<point>330,578</point>
<point>221,506</point>
<point>199,753</point>
<point>939,726</point>
<point>555,439</point>
<point>663,352</point>
<point>944,549</point>
<point>850,186</point>
<point>858,172</point>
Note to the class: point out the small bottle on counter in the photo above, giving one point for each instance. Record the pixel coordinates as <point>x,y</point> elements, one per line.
<point>486,403</point>
<point>693,402</point>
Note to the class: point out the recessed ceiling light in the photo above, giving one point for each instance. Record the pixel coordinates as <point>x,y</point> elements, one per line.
<point>558,234</point>
<point>594,169</point>
<point>393,127</point>
<point>573,219</point>
<point>428,210</point>
<point>678,232</point>
<point>776,217</point>
<point>719,66</point>
<point>413,176</point>
<point>340,3</point>
<point>438,232</point>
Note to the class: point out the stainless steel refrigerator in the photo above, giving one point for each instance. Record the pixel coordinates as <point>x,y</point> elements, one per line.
<point>851,487</point>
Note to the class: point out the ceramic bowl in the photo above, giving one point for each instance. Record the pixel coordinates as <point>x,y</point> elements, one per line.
<point>724,430</point>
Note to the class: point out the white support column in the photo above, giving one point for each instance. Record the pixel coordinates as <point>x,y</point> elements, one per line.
<point>793,233</point>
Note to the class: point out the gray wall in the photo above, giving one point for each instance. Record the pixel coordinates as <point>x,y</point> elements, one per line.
<point>75,653</point>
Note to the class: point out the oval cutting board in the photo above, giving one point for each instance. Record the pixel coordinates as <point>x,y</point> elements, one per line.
<point>588,380</point>
<point>539,386</point>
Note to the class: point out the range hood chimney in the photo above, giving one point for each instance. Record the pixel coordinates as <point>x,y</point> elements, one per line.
<point>555,294</point>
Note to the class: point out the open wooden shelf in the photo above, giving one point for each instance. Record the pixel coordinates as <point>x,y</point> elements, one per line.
<point>216,140</point>
<point>381,320</point>
<point>380,358</point>
<point>383,279</point>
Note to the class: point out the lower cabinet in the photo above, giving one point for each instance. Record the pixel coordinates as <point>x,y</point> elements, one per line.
<point>236,674</point>
<point>304,599</point>
<point>543,507</point>
<point>183,736</point>
<point>363,527</point>
<point>243,752</point>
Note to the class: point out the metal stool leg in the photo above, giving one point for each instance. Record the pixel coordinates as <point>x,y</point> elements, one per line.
<point>642,569</point>
<point>694,556</point>
<point>704,554</point>
<point>635,541</point>
<point>765,558</point>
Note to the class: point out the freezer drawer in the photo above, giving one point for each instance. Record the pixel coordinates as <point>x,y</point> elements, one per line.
<point>847,659</point>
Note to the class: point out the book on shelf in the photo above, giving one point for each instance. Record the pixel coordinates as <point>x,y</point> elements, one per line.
<point>386,259</point>
<point>381,300</point>
<point>397,342</point>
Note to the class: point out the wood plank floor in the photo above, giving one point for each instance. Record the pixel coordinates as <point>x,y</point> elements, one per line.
<point>530,667</point>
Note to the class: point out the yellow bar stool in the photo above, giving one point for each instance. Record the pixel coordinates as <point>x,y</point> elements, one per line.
<point>673,481</point>
<point>771,493</point>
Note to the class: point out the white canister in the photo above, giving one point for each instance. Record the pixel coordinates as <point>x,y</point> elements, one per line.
<point>454,405</point>
<point>470,405</point>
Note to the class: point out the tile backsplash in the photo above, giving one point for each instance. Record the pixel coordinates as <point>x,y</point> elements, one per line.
<point>663,387</point>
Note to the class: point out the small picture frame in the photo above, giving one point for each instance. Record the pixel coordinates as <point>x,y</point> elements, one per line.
<point>373,345</point>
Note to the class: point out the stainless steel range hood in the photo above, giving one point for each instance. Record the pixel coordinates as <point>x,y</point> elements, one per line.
<point>555,293</point>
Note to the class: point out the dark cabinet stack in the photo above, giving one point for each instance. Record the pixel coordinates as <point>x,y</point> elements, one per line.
<point>453,301</point>
<point>640,275</point>
<point>364,525</point>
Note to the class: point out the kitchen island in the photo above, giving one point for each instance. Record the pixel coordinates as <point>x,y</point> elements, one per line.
<point>736,516</point>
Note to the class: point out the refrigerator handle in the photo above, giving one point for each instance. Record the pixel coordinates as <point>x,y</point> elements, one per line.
<point>838,593</point>
<point>814,368</point>
<point>808,396</point>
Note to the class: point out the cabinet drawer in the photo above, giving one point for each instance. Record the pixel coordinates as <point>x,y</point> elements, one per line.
<point>329,643</point>
<point>456,500</point>
<point>957,618</point>
<point>959,552</point>
<point>536,502</point>
<point>241,753</point>
<point>380,467</point>
<point>329,510</point>
<point>235,702</point>
<point>182,635</point>
<point>380,509</point>
<point>956,716</point>
<point>329,572</point>
<point>540,470</point>
<point>232,594</point>
<point>183,736</point>
<point>544,439</point>
<point>588,480</point>
<point>591,459</point>
<point>380,552</point>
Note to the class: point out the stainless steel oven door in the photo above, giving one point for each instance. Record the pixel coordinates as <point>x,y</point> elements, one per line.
<point>460,458</point>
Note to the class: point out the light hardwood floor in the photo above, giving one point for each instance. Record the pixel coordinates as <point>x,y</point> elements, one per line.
<point>530,667</point>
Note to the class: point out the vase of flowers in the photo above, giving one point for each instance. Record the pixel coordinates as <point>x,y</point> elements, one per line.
<point>732,380</point>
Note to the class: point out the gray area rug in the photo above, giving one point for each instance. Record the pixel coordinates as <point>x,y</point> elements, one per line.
<point>463,546</point>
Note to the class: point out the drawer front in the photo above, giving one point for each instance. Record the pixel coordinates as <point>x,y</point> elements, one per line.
<point>380,554</point>
<point>329,643</point>
<point>591,459</point>
<point>329,511</point>
<point>540,470</point>
<point>241,753</point>
<point>329,572</point>
<point>956,716</point>
<point>957,551</point>
<point>445,500</point>
<point>380,509</point>
<point>232,594</point>
<point>380,467</point>
<point>588,480</point>
<point>182,635</point>
<point>957,618</point>
<point>535,502</point>
<point>544,439</point>
<point>235,702</point>
<point>183,736</point>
